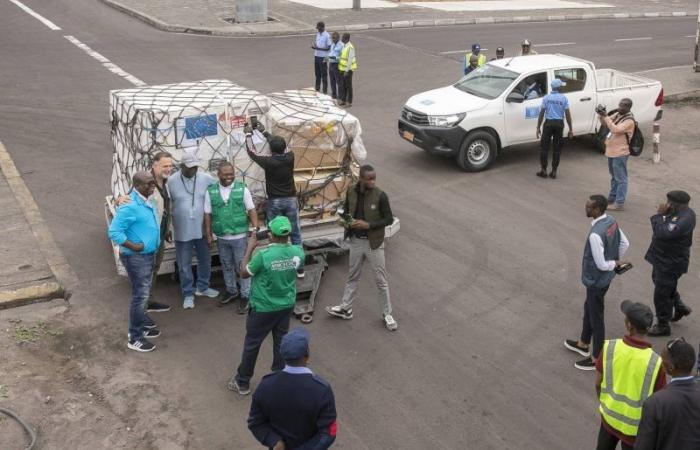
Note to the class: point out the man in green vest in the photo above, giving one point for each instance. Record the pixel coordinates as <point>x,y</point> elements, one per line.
<point>272,297</point>
<point>480,58</point>
<point>347,65</point>
<point>628,372</point>
<point>366,213</point>
<point>228,213</point>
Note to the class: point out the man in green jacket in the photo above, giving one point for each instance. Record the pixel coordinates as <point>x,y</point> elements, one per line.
<point>366,214</point>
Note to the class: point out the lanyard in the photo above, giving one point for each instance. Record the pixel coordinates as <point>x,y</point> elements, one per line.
<point>194,188</point>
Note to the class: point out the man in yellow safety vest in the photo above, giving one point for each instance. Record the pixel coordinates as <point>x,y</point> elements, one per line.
<point>628,373</point>
<point>347,65</point>
<point>476,51</point>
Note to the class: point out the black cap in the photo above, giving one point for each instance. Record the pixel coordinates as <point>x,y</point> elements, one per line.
<point>295,344</point>
<point>680,197</point>
<point>639,314</point>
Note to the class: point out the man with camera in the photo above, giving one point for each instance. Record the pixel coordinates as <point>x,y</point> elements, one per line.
<point>669,254</point>
<point>272,296</point>
<point>620,127</point>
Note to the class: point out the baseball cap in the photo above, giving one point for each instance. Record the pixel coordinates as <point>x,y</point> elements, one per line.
<point>557,83</point>
<point>280,226</point>
<point>189,160</point>
<point>638,314</point>
<point>525,42</point>
<point>295,344</point>
<point>680,197</point>
<point>476,47</point>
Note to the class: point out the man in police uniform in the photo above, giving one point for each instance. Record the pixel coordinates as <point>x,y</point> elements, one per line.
<point>627,374</point>
<point>480,58</point>
<point>669,254</point>
<point>294,408</point>
<point>555,106</point>
<point>272,297</point>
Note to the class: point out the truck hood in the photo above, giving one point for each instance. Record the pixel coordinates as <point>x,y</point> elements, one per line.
<point>444,101</point>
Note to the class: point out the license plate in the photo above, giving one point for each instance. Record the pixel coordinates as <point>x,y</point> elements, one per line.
<point>408,136</point>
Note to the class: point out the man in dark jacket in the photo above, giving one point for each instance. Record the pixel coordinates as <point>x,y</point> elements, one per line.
<point>671,417</point>
<point>669,254</point>
<point>366,214</point>
<point>294,408</point>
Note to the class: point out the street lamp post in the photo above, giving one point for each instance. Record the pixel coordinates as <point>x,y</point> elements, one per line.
<point>356,5</point>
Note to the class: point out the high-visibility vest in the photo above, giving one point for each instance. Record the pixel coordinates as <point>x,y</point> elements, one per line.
<point>629,377</point>
<point>343,63</point>
<point>480,61</point>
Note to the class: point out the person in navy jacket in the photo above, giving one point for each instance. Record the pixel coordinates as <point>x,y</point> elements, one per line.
<point>294,408</point>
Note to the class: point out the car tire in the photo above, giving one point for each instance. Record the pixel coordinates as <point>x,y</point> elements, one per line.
<point>478,151</point>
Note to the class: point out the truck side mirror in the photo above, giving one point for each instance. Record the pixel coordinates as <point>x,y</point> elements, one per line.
<point>515,97</point>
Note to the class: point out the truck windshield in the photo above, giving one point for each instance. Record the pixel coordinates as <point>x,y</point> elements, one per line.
<point>487,81</point>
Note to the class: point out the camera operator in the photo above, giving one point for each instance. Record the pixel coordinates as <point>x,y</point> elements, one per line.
<point>273,293</point>
<point>669,254</point>
<point>620,127</point>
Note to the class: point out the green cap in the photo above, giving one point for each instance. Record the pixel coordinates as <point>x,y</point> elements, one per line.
<point>280,226</point>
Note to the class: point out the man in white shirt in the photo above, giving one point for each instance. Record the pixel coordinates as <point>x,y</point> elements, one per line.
<point>321,47</point>
<point>228,212</point>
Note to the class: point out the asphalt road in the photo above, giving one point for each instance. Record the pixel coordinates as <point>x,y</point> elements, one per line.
<point>485,271</point>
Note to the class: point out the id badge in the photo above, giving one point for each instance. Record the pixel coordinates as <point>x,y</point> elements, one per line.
<point>191,213</point>
<point>609,135</point>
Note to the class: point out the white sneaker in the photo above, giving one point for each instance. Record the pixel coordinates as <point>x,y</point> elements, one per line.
<point>390,323</point>
<point>188,303</point>
<point>209,292</point>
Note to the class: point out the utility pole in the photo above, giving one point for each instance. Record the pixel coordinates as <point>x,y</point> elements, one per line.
<point>696,64</point>
<point>356,5</point>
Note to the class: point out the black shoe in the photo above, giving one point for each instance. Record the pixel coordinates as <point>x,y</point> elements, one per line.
<point>157,307</point>
<point>585,364</point>
<point>659,329</point>
<point>149,334</point>
<point>242,306</point>
<point>553,174</point>
<point>679,313</point>
<point>542,173</point>
<point>141,345</point>
<point>301,273</point>
<point>235,386</point>
<point>572,344</point>
<point>228,299</point>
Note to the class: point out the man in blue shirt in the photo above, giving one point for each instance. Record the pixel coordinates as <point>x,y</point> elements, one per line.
<point>136,230</point>
<point>555,106</point>
<point>333,59</point>
<point>321,48</point>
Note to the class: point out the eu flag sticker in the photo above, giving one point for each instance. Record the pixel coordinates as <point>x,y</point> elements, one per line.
<point>532,112</point>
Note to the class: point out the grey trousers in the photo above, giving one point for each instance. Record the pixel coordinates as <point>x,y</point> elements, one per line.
<point>359,250</point>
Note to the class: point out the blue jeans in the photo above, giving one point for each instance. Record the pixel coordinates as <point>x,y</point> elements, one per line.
<point>286,206</point>
<point>231,254</point>
<point>139,268</point>
<point>618,179</point>
<point>183,256</point>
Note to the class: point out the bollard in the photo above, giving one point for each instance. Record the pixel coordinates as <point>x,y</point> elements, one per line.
<point>356,5</point>
<point>656,157</point>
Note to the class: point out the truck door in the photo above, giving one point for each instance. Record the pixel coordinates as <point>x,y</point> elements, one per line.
<point>521,117</point>
<point>580,90</point>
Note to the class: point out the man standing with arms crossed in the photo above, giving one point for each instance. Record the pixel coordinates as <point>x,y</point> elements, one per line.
<point>272,297</point>
<point>605,245</point>
<point>555,106</point>
<point>321,47</point>
<point>135,229</point>
<point>617,149</point>
<point>333,59</point>
<point>228,212</point>
<point>669,254</point>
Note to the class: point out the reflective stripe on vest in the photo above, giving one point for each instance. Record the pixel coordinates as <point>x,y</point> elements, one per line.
<point>343,62</point>
<point>480,61</point>
<point>230,217</point>
<point>621,396</point>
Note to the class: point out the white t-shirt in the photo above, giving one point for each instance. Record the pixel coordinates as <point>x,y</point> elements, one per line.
<point>225,192</point>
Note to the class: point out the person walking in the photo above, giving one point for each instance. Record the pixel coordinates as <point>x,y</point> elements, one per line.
<point>526,48</point>
<point>333,60</point>
<point>671,417</point>
<point>627,374</point>
<point>228,212</point>
<point>187,191</point>
<point>555,107</point>
<point>617,149</point>
<point>321,47</point>
<point>136,230</point>
<point>480,58</point>
<point>294,408</point>
<point>272,297</point>
<point>669,255</point>
<point>472,65</point>
<point>347,65</point>
<point>605,246</point>
<point>367,213</point>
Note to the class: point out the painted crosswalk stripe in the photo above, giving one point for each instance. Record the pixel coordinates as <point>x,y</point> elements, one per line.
<point>109,65</point>
<point>36,15</point>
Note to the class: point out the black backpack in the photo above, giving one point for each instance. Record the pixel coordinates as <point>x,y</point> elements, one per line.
<point>636,143</point>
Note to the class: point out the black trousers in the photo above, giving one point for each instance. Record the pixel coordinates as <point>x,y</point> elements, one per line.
<point>593,319</point>
<point>607,441</point>
<point>321,69</point>
<point>552,131</point>
<point>666,296</point>
<point>335,79</point>
<point>257,326</point>
<point>345,94</point>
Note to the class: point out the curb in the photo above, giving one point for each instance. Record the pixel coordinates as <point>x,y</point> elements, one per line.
<point>32,294</point>
<point>175,28</point>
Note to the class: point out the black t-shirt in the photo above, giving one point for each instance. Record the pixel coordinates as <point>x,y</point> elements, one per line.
<point>279,173</point>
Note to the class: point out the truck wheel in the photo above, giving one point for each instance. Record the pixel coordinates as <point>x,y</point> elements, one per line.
<point>478,151</point>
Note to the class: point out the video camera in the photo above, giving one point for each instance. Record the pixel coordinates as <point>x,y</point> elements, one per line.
<point>601,109</point>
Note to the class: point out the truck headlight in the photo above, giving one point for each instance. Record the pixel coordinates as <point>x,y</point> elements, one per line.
<point>446,121</point>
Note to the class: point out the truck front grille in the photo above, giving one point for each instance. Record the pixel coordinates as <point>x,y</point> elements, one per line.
<point>414,117</point>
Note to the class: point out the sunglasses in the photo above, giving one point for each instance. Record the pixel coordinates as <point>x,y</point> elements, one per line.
<point>673,342</point>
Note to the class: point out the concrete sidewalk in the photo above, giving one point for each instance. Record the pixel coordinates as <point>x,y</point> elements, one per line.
<point>680,83</point>
<point>33,268</point>
<point>212,17</point>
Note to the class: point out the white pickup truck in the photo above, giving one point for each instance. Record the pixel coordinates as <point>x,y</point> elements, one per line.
<point>497,105</point>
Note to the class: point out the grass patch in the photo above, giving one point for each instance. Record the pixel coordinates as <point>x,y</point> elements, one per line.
<point>32,333</point>
<point>4,391</point>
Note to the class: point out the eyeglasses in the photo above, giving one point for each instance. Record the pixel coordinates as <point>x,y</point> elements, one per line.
<point>673,342</point>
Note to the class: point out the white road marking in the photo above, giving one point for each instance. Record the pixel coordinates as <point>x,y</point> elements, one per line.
<point>460,51</point>
<point>691,35</point>
<point>634,39</point>
<point>36,15</point>
<point>557,44</point>
<point>115,69</point>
